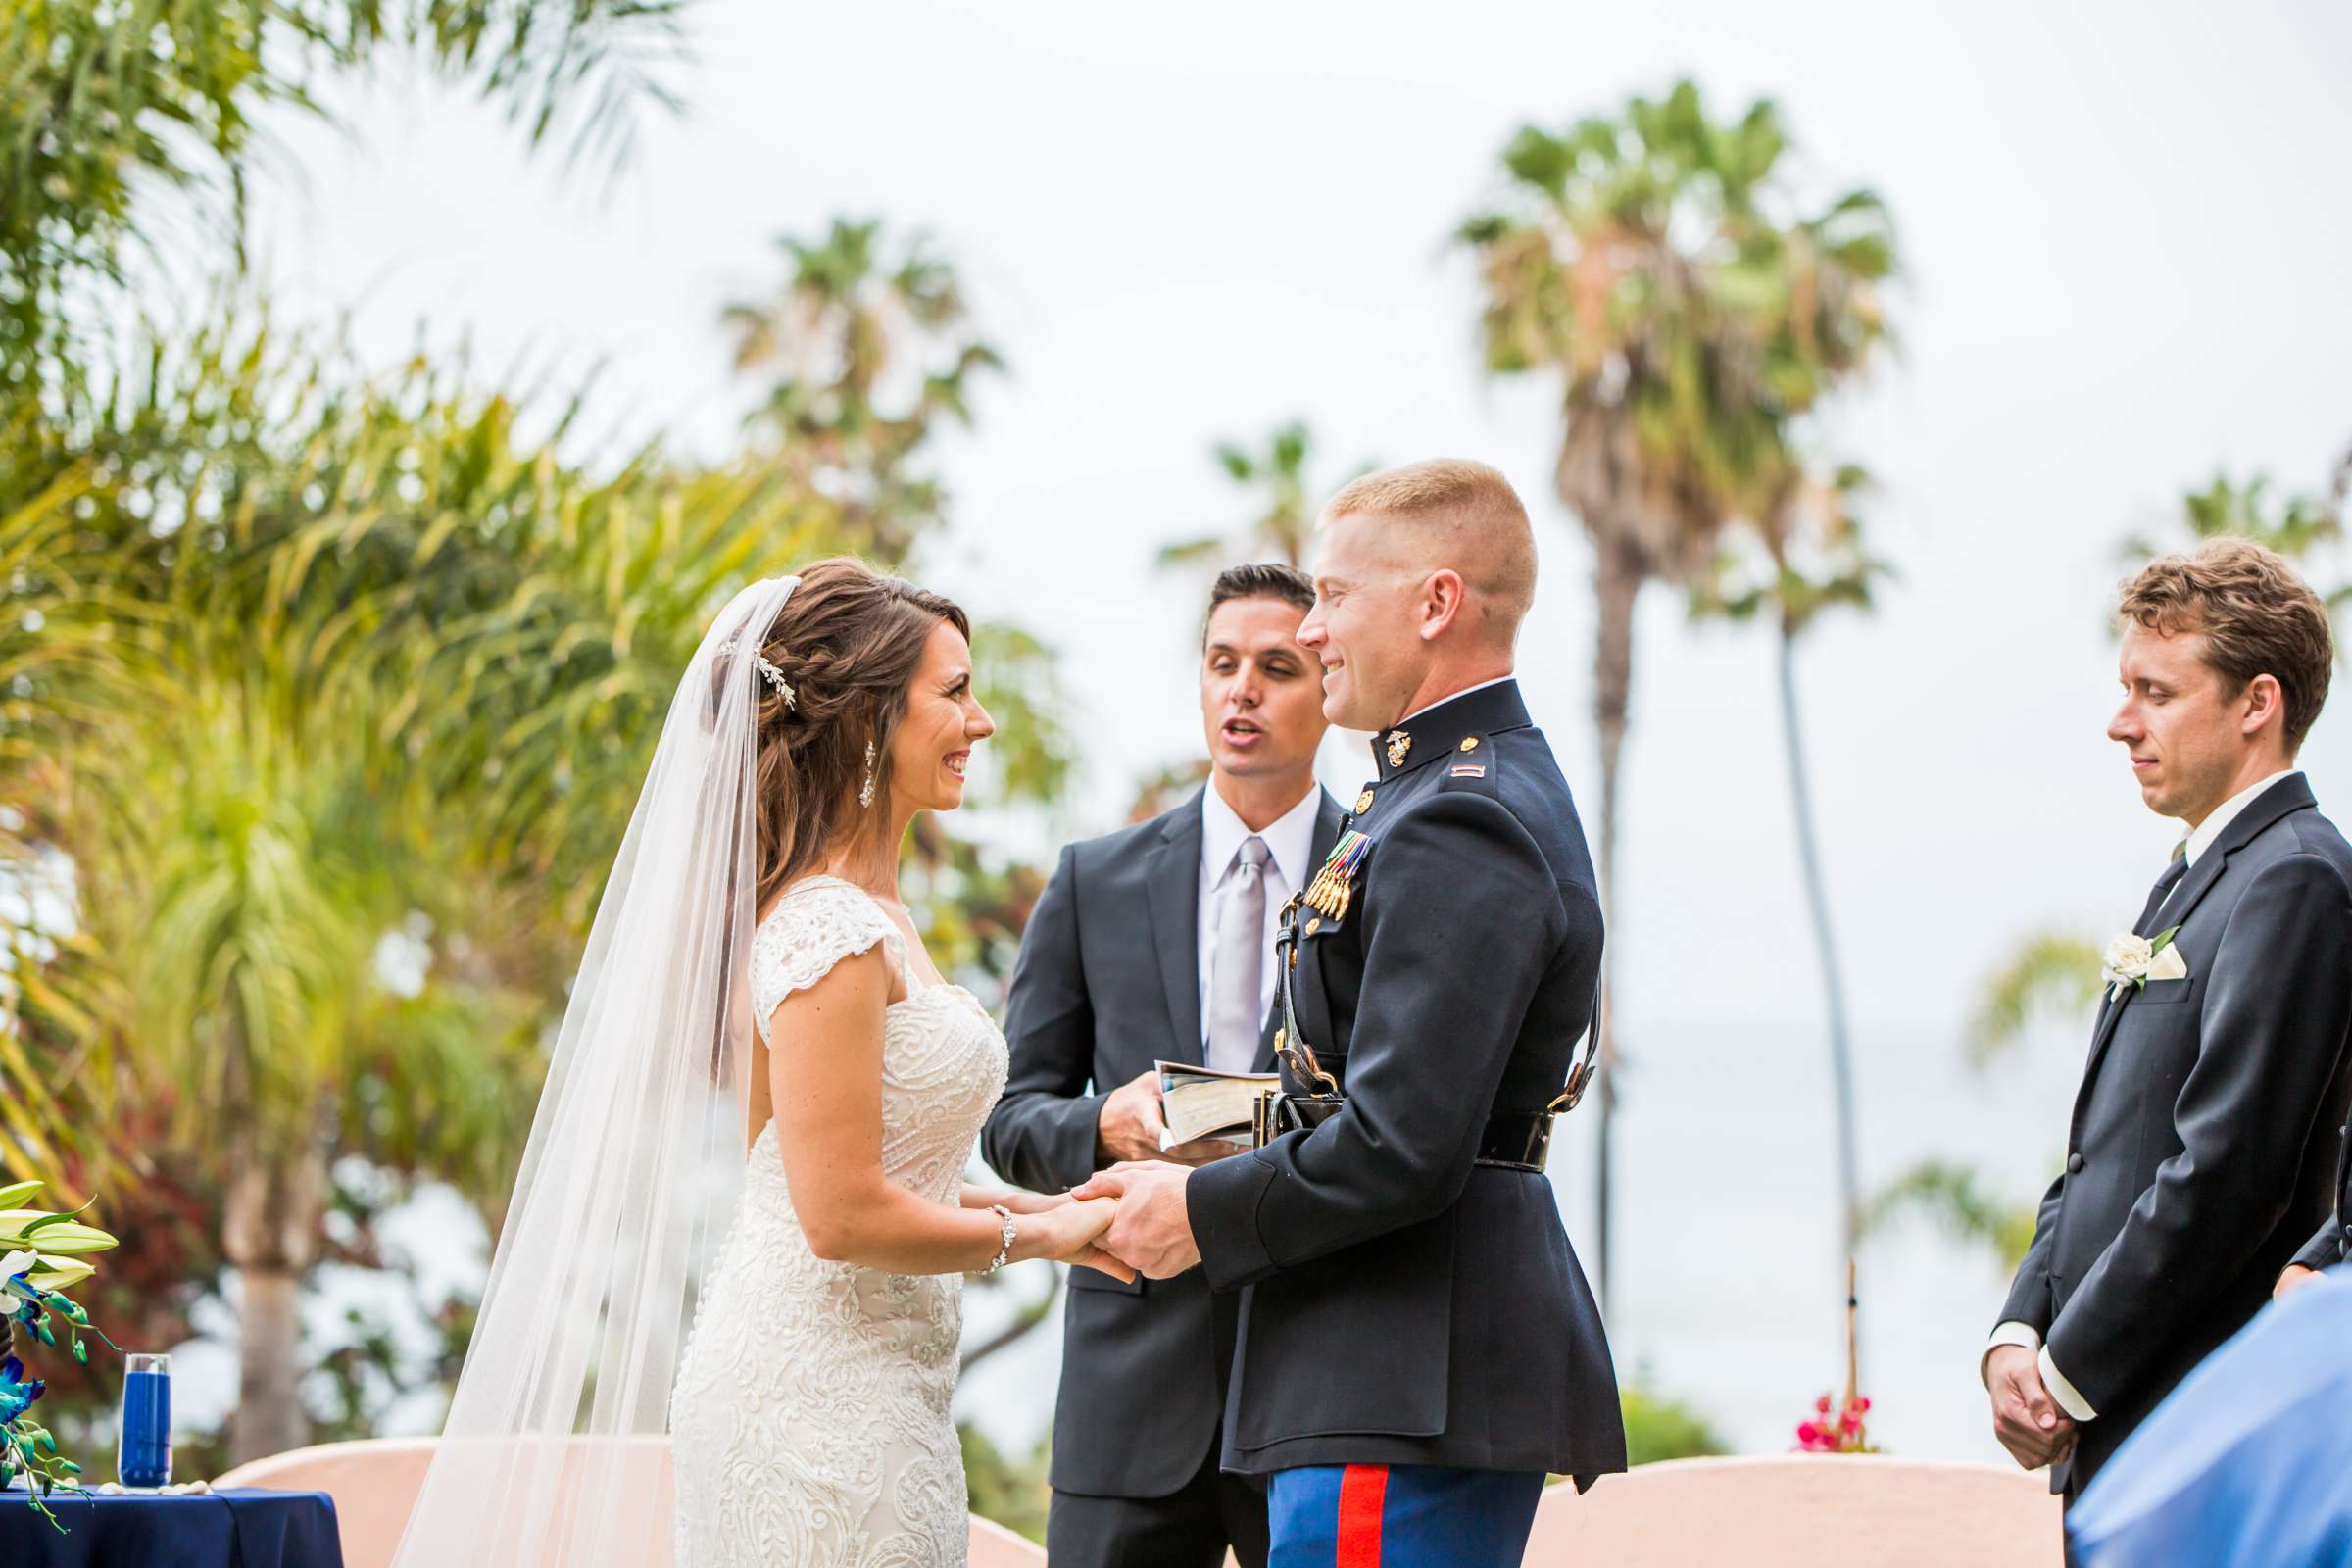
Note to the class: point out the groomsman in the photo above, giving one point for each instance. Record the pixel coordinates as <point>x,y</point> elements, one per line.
<point>2202,1150</point>
<point>1419,1347</point>
<point>1157,942</point>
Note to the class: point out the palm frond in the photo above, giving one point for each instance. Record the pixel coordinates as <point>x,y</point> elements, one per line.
<point>1955,1197</point>
<point>2048,972</point>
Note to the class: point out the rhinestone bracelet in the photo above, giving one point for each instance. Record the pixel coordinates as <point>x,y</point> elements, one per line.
<point>1005,1252</point>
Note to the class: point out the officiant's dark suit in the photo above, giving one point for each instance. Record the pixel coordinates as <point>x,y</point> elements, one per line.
<point>2202,1149</point>
<point>1106,983</point>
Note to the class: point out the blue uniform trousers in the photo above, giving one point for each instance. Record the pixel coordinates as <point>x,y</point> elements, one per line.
<point>1401,1516</point>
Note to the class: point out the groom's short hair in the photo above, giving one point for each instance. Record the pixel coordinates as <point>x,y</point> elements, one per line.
<point>1498,544</point>
<point>2257,617</point>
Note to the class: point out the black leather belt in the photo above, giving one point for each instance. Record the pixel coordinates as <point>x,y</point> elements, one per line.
<point>1517,1139</point>
<point>1513,1140</point>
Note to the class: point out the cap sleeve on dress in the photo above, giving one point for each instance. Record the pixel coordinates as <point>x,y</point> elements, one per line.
<point>815,926</point>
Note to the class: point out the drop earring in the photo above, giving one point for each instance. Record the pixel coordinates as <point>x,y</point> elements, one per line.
<point>865,794</point>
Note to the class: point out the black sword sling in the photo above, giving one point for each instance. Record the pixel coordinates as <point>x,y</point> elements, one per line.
<point>1512,1140</point>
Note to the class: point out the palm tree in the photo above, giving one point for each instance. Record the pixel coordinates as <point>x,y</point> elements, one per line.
<point>868,349</point>
<point>1634,258</point>
<point>1276,476</point>
<point>2307,528</point>
<point>1813,558</point>
<point>1813,287</point>
<point>102,105</point>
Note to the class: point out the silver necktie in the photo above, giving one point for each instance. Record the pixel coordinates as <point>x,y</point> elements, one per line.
<point>1239,963</point>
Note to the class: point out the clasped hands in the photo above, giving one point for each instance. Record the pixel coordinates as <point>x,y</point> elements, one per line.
<point>1124,1221</point>
<point>1131,1218</point>
<point>2025,1417</point>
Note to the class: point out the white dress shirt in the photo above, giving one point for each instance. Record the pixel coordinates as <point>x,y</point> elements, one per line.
<point>2200,839</point>
<point>1290,843</point>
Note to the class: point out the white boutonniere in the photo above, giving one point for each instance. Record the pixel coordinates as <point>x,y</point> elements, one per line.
<point>2134,961</point>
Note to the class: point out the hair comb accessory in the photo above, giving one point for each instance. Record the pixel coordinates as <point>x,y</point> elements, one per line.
<point>775,678</point>
<point>769,672</point>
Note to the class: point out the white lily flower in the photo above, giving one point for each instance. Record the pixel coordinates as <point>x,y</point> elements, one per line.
<point>59,1273</point>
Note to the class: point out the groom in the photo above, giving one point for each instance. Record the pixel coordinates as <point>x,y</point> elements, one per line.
<point>1418,1345</point>
<point>1155,942</point>
<point>2202,1147</point>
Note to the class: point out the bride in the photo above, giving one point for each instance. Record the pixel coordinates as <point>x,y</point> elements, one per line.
<point>753,979</point>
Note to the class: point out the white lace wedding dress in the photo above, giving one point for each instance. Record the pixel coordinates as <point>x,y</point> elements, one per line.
<point>809,1422</point>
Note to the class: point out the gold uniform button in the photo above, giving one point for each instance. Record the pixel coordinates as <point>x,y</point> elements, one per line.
<point>1314,926</point>
<point>1363,803</point>
<point>1469,743</point>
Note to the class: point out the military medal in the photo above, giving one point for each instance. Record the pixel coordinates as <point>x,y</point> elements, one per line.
<point>1332,886</point>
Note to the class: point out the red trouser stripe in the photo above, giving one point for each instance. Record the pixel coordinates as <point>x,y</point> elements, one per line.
<point>1363,1491</point>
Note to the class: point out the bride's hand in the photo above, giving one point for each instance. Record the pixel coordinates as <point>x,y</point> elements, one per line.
<point>1074,1230</point>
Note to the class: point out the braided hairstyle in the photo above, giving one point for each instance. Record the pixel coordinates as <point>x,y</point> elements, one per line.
<point>849,641</point>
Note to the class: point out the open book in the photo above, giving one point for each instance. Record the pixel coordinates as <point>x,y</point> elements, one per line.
<point>1202,1102</point>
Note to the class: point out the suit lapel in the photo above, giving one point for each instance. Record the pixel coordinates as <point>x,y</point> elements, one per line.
<point>1173,893</point>
<point>2280,799</point>
<point>1327,833</point>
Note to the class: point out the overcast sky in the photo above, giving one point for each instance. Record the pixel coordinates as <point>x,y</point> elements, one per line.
<point>2125,272</point>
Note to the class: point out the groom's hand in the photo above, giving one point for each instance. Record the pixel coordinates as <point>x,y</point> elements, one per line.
<point>1154,1231</point>
<point>2025,1418</point>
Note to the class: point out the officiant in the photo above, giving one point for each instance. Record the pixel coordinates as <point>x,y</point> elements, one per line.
<point>1155,943</point>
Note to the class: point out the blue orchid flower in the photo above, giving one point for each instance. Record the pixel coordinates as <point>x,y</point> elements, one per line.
<point>17,1394</point>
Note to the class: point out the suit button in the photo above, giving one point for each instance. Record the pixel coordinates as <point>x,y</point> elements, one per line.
<point>2074,1163</point>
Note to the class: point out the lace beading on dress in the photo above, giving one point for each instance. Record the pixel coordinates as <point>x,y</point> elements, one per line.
<point>809,1422</point>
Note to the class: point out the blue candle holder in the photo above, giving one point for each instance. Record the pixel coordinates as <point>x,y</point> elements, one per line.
<point>144,1459</point>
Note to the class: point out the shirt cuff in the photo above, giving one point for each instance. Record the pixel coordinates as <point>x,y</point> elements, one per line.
<point>2071,1402</point>
<point>2009,1333</point>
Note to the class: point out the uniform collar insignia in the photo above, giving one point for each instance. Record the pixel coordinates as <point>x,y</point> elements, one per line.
<point>1439,730</point>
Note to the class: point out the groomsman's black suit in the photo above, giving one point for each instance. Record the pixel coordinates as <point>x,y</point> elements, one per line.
<point>1407,1303</point>
<point>1106,983</point>
<point>2203,1145</point>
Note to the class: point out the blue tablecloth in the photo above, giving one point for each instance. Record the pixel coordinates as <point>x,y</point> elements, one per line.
<point>223,1529</point>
